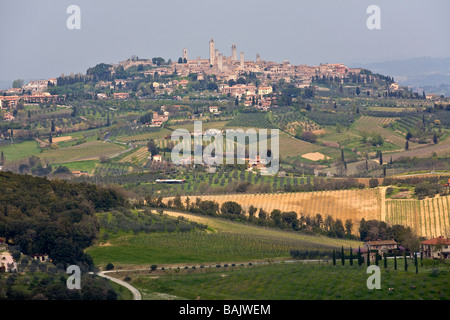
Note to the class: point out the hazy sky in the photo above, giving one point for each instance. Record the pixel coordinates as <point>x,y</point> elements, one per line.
<point>36,42</point>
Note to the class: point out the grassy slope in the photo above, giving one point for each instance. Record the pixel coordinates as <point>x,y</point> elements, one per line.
<point>297,282</point>
<point>20,150</point>
<point>86,151</point>
<point>88,165</point>
<point>225,241</point>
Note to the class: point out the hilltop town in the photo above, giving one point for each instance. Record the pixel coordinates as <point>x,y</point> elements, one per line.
<point>227,75</point>
<point>363,163</point>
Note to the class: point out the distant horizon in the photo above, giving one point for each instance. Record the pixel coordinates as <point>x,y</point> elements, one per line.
<point>7,83</point>
<point>306,32</point>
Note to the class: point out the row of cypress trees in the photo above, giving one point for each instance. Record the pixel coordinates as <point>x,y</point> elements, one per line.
<point>359,258</point>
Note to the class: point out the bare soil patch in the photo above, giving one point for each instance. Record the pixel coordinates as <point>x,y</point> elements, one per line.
<point>314,156</point>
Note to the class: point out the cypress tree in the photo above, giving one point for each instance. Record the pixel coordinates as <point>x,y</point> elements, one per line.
<point>351,256</point>
<point>376,258</point>
<point>343,256</point>
<point>368,257</point>
<point>395,262</point>
<point>334,257</point>
<point>359,257</point>
<point>385,262</point>
<point>406,262</point>
<point>421,258</point>
<point>415,262</point>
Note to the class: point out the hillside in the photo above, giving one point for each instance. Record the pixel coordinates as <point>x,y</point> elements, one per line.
<point>223,242</point>
<point>52,217</point>
<point>428,218</point>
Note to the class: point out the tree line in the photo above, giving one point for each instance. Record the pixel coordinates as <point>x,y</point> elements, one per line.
<point>328,226</point>
<point>53,217</point>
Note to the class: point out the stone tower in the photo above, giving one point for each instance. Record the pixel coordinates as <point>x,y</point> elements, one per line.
<point>233,53</point>
<point>185,54</point>
<point>212,52</point>
<point>220,62</point>
<point>258,58</point>
<point>241,67</point>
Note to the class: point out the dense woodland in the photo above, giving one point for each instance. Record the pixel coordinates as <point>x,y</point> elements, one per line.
<point>53,217</point>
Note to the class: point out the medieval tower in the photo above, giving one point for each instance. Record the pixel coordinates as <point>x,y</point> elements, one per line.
<point>212,52</point>
<point>233,53</point>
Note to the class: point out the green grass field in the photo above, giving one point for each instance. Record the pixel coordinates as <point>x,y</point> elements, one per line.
<point>86,151</point>
<point>88,165</point>
<point>224,241</point>
<point>205,126</point>
<point>392,109</point>
<point>375,125</point>
<point>296,281</point>
<point>20,151</point>
<point>146,136</point>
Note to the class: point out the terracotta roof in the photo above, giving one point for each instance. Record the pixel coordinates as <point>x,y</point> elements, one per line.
<point>381,242</point>
<point>436,241</point>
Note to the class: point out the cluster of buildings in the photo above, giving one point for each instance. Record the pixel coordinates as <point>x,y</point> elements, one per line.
<point>435,248</point>
<point>223,67</point>
<point>32,92</point>
<point>227,68</point>
<point>230,67</point>
<point>44,97</point>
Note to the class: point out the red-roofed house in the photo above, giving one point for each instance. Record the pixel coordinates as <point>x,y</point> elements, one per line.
<point>121,95</point>
<point>437,248</point>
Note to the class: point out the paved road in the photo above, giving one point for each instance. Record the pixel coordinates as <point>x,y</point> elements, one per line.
<point>134,291</point>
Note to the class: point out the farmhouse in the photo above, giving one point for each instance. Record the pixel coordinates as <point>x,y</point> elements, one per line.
<point>40,257</point>
<point>158,120</point>
<point>8,101</point>
<point>121,95</point>
<point>8,116</point>
<point>213,109</point>
<point>156,158</point>
<point>7,262</point>
<point>381,246</point>
<point>78,173</point>
<point>437,248</point>
<point>264,90</point>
